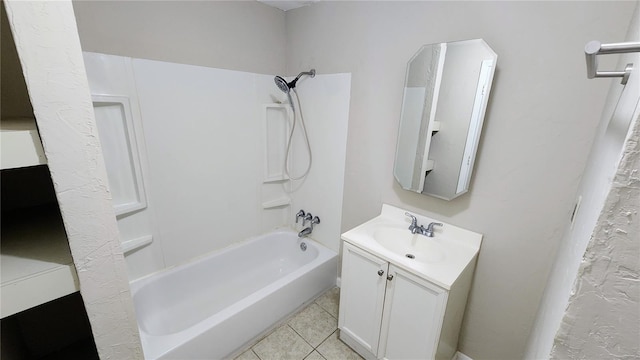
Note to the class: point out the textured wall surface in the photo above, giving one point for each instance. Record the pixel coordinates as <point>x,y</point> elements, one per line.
<point>54,73</point>
<point>597,179</point>
<point>603,317</point>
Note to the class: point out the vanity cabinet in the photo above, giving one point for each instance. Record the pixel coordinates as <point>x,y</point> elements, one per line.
<point>362,291</point>
<point>387,312</point>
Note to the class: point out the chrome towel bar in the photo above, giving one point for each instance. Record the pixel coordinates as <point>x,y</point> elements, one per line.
<point>594,48</point>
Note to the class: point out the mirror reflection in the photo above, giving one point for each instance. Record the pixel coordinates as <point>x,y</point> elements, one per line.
<point>445,97</point>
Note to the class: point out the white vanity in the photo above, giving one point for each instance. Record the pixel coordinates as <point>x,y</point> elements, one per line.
<point>403,295</point>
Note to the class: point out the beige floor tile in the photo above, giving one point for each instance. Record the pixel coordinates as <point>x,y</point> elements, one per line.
<point>334,349</point>
<point>314,324</point>
<point>247,355</point>
<point>329,301</point>
<point>314,356</point>
<point>282,344</point>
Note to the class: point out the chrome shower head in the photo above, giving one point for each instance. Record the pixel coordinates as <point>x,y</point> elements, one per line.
<point>282,84</point>
<point>286,87</point>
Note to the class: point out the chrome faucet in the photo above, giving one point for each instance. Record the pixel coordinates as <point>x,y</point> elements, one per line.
<point>306,231</point>
<point>415,229</point>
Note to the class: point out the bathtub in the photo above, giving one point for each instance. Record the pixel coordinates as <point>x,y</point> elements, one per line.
<point>216,305</point>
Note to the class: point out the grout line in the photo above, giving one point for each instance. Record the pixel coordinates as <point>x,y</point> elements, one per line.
<point>325,310</point>
<point>327,338</point>
<point>301,337</point>
<point>255,353</point>
<point>322,307</point>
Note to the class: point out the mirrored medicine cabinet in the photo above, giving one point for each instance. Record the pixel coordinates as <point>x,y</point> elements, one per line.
<point>445,97</point>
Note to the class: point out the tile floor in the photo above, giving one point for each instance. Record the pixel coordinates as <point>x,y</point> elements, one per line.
<point>311,334</point>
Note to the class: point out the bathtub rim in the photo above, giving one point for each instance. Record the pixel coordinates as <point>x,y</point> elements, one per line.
<point>137,283</point>
<point>156,346</point>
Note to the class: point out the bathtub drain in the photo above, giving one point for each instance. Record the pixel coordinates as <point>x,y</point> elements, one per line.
<point>410,256</point>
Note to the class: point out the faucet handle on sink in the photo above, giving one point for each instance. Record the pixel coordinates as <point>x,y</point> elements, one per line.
<point>414,222</point>
<point>429,230</point>
<point>413,218</point>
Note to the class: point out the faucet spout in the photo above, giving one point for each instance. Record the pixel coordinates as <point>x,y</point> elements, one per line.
<point>305,232</point>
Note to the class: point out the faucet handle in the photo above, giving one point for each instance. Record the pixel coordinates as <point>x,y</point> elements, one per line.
<point>431,225</point>
<point>413,218</point>
<point>299,215</point>
<point>429,230</point>
<point>314,221</point>
<point>306,218</point>
<point>414,222</point>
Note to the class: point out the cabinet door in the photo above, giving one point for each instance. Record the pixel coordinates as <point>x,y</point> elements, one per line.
<point>362,296</point>
<point>413,314</point>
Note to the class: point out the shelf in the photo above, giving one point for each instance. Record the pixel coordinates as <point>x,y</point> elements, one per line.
<point>283,201</point>
<point>435,126</point>
<point>21,146</point>
<point>35,260</point>
<point>135,244</point>
<point>428,165</point>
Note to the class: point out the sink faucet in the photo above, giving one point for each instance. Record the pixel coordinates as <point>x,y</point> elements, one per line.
<point>415,229</point>
<point>306,231</point>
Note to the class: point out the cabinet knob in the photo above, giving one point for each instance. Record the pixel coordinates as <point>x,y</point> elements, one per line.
<point>389,277</point>
<point>380,272</point>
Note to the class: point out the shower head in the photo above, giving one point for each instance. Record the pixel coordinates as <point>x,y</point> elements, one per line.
<point>282,84</point>
<point>286,87</point>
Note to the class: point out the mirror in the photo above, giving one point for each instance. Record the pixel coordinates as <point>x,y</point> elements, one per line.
<point>445,97</point>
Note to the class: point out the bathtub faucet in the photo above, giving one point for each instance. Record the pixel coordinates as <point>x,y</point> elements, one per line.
<point>306,231</point>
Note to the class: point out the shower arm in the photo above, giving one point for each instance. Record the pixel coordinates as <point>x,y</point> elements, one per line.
<point>311,73</point>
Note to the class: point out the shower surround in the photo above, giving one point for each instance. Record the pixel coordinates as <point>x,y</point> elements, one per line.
<point>207,139</point>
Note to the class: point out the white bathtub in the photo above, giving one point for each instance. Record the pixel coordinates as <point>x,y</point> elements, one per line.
<point>214,306</point>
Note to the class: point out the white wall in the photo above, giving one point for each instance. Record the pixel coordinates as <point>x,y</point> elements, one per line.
<point>238,35</point>
<point>52,65</point>
<point>571,260</point>
<point>246,36</point>
<point>204,133</point>
<point>541,121</point>
<point>325,106</point>
<point>202,129</point>
<point>204,150</point>
<point>602,317</point>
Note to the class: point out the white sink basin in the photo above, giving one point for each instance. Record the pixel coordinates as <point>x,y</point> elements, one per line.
<point>412,246</point>
<point>439,259</point>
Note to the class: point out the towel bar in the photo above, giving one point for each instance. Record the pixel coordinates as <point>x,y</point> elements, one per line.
<point>594,48</point>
